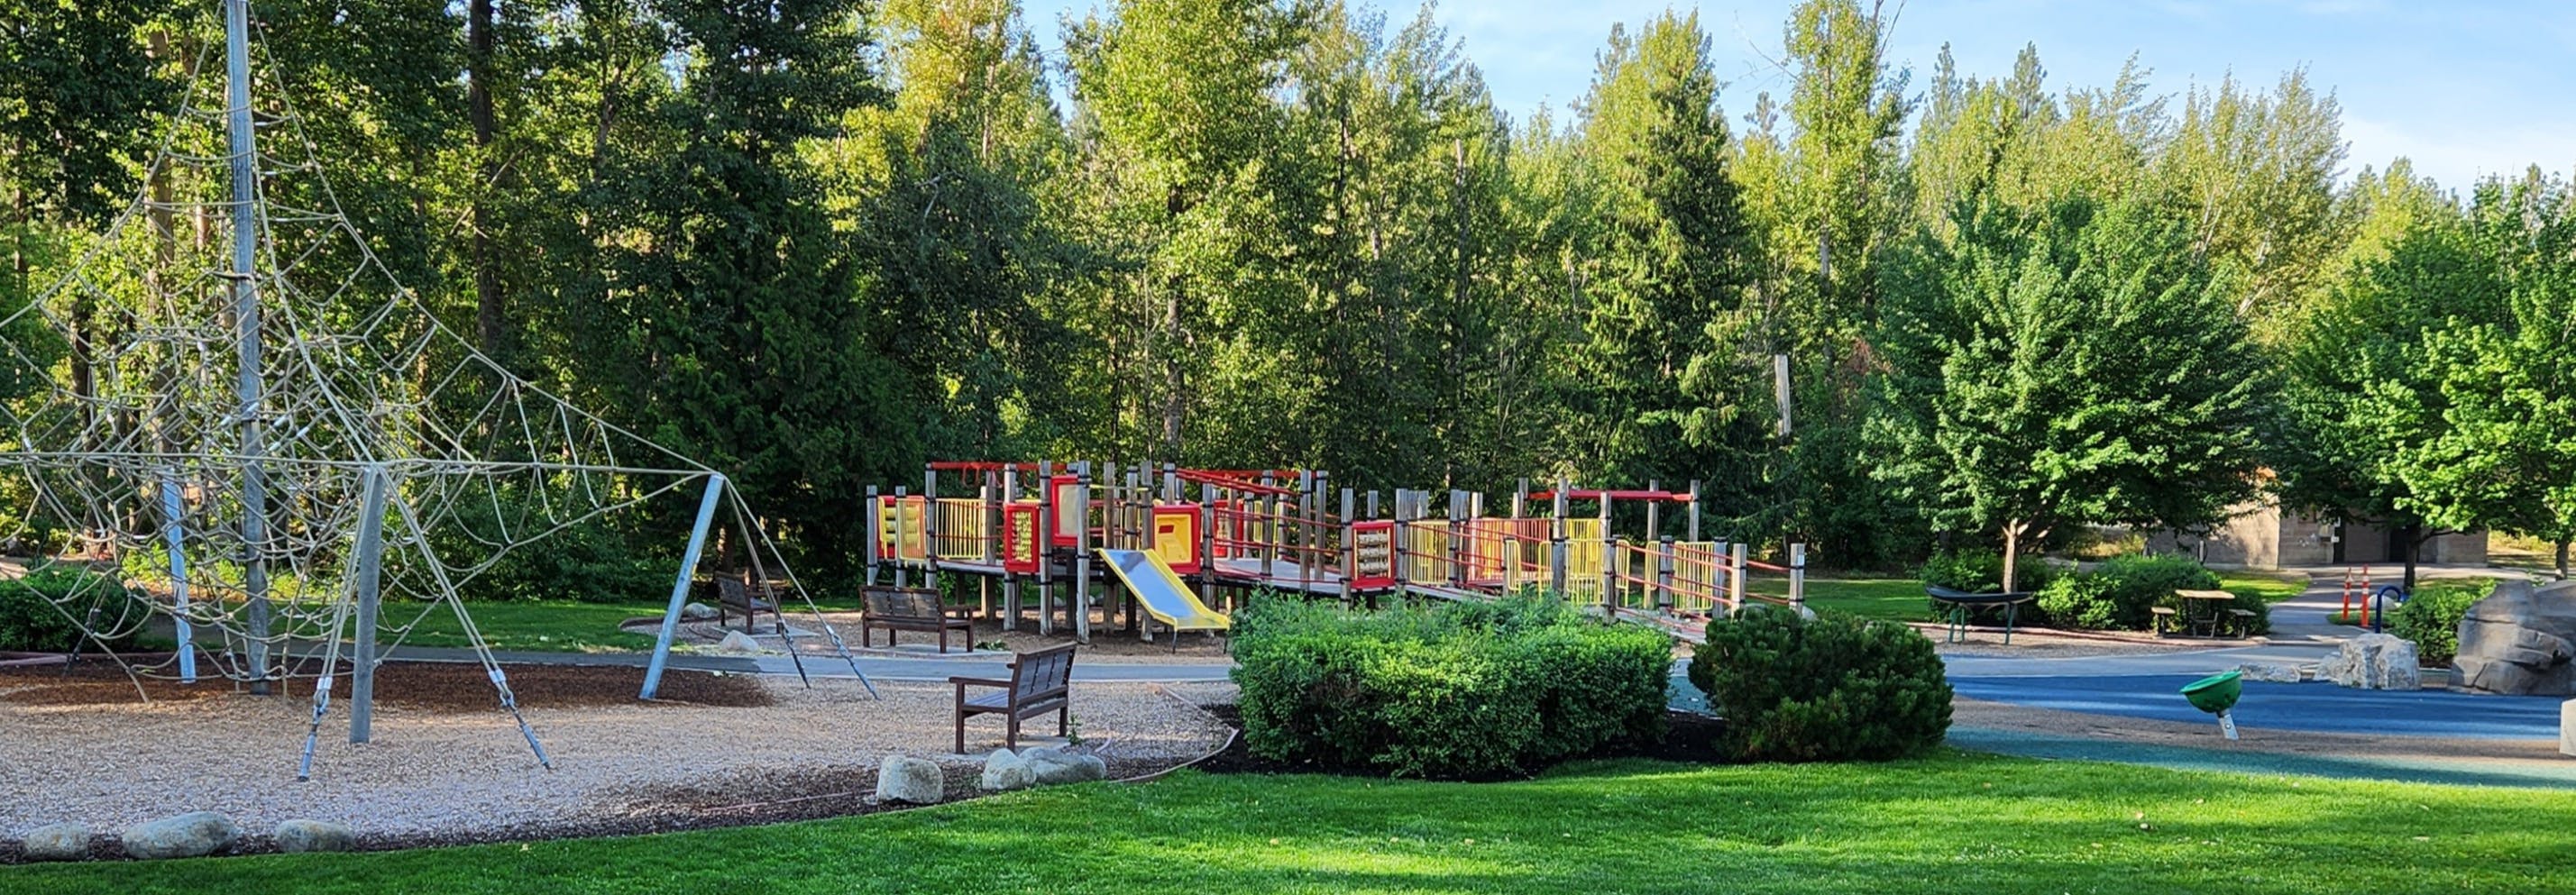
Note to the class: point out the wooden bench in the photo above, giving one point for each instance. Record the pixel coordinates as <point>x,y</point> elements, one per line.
<point>2166,620</point>
<point>734,594</point>
<point>2243,619</point>
<point>1041,682</point>
<point>908,609</point>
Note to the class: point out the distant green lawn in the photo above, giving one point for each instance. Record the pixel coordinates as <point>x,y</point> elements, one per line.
<point>1892,599</point>
<point>1950,823</point>
<point>544,626</point>
<point>2272,588</point>
<point>1902,599</point>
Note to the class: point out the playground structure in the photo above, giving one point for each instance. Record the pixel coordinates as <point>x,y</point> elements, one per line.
<point>300,461</point>
<point>1029,534</point>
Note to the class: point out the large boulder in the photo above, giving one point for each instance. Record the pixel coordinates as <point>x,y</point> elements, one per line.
<point>737,642</point>
<point>1052,766</point>
<point>190,835</point>
<point>697,612</point>
<point>57,842</point>
<point>2375,662</point>
<point>296,836</point>
<point>2520,640</point>
<point>903,778</point>
<point>2270,672</point>
<point>1005,769</point>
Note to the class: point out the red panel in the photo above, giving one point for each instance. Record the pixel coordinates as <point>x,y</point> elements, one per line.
<point>1023,529</point>
<point>1373,552</point>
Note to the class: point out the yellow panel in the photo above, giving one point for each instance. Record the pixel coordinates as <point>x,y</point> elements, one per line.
<point>1176,536</point>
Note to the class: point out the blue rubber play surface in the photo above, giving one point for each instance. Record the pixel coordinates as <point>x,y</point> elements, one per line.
<point>2313,706</point>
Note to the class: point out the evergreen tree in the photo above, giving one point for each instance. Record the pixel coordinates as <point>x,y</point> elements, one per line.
<point>1671,359</point>
<point>724,316</point>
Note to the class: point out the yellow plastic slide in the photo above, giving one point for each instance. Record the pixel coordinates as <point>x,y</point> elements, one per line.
<point>1165,598</point>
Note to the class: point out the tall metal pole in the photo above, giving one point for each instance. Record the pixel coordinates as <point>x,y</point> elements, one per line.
<point>680,588</point>
<point>246,319</point>
<point>173,530</point>
<point>365,583</point>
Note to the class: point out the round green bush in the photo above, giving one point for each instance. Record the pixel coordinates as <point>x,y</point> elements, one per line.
<point>1453,691</point>
<point>2432,617</point>
<point>1825,689</point>
<point>38,611</point>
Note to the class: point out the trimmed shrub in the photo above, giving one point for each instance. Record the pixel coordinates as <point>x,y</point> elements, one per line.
<point>37,611</point>
<point>2432,617</point>
<point>2122,594</point>
<point>1452,691</point>
<point>1828,689</point>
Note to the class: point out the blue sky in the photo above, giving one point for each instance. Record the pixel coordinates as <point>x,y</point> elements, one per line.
<point>2463,88</point>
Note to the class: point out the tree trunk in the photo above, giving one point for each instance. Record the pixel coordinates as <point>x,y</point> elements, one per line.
<point>490,328</point>
<point>2412,535</point>
<point>1172,380</point>
<point>2562,559</point>
<point>2012,547</point>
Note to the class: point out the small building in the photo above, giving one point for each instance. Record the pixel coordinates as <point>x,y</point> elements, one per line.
<point>2261,535</point>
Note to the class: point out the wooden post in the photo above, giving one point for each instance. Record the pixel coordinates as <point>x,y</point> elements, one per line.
<point>1457,538</point>
<point>1268,522</point>
<point>1735,573</point>
<point>1556,547</point>
<point>1694,511</point>
<point>1609,555</point>
<point>930,527</point>
<point>875,531</point>
<point>902,573</point>
<point>1010,581</point>
<point>1046,548</point>
<point>1145,539</point>
<point>1664,574</point>
<point>1082,560</point>
<point>990,511</point>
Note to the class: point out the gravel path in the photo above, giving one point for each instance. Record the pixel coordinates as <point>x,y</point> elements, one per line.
<point>443,776</point>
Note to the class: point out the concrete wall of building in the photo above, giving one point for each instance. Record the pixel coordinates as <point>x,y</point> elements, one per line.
<point>2261,536</point>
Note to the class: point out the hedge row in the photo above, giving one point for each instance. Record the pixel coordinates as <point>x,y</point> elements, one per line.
<point>1450,691</point>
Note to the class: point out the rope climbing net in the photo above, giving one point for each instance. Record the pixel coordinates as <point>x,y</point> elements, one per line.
<point>212,474</point>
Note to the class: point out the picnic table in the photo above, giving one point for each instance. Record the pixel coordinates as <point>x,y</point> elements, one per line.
<point>2208,612</point>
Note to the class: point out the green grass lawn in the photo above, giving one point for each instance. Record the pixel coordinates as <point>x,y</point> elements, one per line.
<point>2272,588</point>
<point>1893,599</point>
<point>1950,823</point>
<point>554,626</point>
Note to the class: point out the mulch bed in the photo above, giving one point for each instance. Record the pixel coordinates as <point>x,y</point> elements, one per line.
<point>426,686</point>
